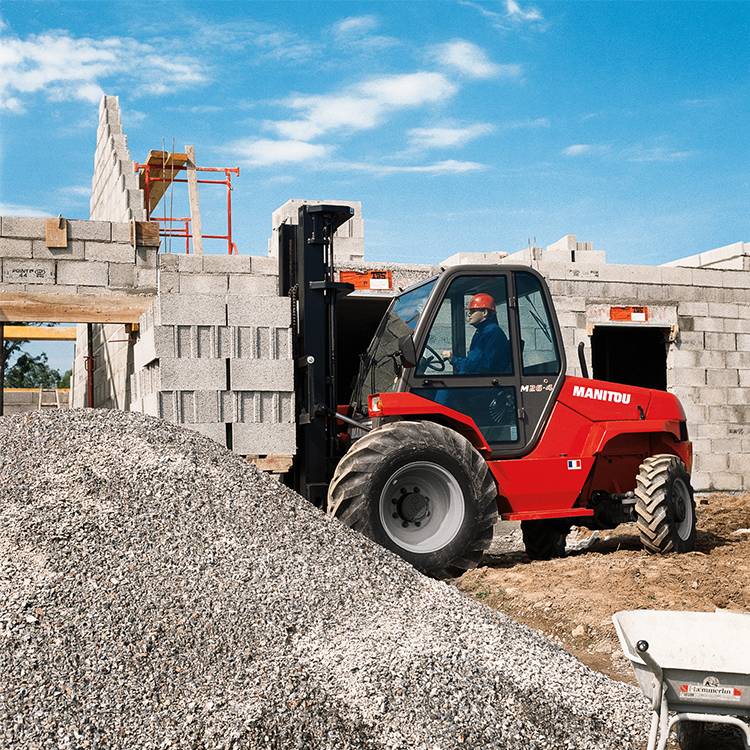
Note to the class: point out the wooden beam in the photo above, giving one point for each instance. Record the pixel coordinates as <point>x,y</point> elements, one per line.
<point>39,333</point>
<point>195,212</point>
<point>164,167</point>
<point>73,308</point>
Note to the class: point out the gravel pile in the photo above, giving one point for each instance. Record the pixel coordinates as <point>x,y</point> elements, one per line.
<point>156,591</point>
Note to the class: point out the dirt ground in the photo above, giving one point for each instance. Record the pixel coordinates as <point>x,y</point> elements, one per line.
<point>572,600</point>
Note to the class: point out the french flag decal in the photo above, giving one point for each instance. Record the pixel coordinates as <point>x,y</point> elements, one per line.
<point>574,463</point>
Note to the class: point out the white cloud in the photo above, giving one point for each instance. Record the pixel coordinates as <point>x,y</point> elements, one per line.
<point>449,166</point>
<point>633,153</point>
<point>472,61</point>
<point>364,106</point>
<point>445,137</point>
<point>15,209</point>
<point>63,67</point>
<point>515,11</point>
<point>355,27</point>
<point>265,152</point>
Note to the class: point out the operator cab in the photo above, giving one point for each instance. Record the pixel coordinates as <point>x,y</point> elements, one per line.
<point>503,368</point>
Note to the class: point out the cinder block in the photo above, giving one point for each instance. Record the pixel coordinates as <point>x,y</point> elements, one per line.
<point>264,439</point>
<point>270,310</point>
<point>713,325</point>
<point>259,374</point>
<point>701,481</point>
<point>190,309</point>
<point>100,231</point>
<point>146,280</point>
<point>724,481</point>
<point>16,248</point>
<point>711,396</point>
<point>228,264</point>
<point>168,282</point>
<point>696,309</point>
<point>262,342</point>
<point>120,231</point>
<point>710,462</point>
<point>265,266</point>
<point>253,285</point>
<point>726,378</point>
<point>109,251</point>
<point>146,257</point>
<point>121,276</point>
<point>720,342</point>
<point>188,374</point>
<point>73,251</point>
<point>215,431</point>
<point>83,273</point>
<point>20,226</point>
<point>203,284</point>
<point>29,272</point>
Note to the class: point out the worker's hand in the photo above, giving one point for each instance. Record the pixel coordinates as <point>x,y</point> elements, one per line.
<point>445,354</point>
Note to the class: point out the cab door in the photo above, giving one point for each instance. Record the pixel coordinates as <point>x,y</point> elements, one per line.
<point>503,371</point>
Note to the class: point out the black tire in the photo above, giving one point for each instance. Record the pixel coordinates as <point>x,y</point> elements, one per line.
<point>545,539</point>
<point>420,490</point>
<point>665,509</point>
<point>690,734</point>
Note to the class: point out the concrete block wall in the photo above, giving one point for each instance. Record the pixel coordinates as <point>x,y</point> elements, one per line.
<point>220,364</point>
<point>21,400</point>
<point>708,364</point>
<point>98,259</point>
<point>115,194</point>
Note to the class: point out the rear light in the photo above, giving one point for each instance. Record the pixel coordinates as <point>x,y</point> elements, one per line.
<point>375,405</point>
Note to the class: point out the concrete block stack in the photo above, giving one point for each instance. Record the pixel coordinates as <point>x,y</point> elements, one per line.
<point>115,193</point>
<point>220,364</point>
<point>348,241</point>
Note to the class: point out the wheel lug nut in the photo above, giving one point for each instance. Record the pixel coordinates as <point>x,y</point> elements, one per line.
<point>405,524</point>
<point>417,523</point>
<point>395,515</point>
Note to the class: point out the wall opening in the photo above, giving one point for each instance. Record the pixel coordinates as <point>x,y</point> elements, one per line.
<point>630,355</point>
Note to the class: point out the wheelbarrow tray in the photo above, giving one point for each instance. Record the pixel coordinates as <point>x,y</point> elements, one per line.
<point>704,656</point>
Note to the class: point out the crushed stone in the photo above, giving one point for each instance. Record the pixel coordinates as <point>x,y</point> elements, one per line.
<point>157,591</point>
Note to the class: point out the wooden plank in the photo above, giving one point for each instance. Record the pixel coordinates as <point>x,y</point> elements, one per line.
<point>56,232</point>
<point>31,307</point>
<point>144,234</point>
<point>38,333</point>
<point>164,168</point>
<point>273,464</point>
<point>195,212</point>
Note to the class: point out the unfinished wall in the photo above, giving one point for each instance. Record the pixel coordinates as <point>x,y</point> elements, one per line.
<point>115,193</point>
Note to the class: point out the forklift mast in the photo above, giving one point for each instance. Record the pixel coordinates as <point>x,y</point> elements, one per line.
<point>307,276</point>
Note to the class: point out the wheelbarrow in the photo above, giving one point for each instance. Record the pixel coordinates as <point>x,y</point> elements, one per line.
<point>696,664</point>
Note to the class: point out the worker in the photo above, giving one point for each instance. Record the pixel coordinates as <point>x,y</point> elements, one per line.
<point>489,352</point>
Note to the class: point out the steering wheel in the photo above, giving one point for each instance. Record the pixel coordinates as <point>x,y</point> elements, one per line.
<point>431,364</point>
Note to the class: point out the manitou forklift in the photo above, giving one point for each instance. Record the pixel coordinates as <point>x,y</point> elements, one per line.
<point>431,451</point>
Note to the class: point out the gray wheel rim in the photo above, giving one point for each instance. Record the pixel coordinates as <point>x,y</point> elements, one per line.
<point>422,507</point>
<point>683,508</point>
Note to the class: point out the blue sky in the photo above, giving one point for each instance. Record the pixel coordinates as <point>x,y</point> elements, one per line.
<point>459,124</point>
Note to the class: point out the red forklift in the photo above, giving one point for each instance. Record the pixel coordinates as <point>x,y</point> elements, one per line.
<point>440,438</point>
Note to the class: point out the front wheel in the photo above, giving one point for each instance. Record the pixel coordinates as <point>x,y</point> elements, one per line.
<point>421,490</point>
<point>665,509</point>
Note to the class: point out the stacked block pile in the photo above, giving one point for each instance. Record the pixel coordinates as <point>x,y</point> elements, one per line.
<point>221,365</point>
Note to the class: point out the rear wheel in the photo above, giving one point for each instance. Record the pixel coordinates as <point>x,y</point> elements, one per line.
<point>545,539</point>
<point>420,490</point>
<point>665,509</point>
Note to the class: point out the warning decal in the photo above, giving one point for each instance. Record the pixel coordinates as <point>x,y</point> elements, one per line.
<point>705,692</point>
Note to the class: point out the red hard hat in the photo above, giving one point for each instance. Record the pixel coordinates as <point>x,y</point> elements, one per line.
<point>481,301</point>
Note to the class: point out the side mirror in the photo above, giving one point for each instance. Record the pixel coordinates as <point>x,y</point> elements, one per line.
<point>407,351</point>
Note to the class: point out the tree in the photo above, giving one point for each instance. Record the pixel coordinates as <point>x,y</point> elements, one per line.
<point>31,372</point>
